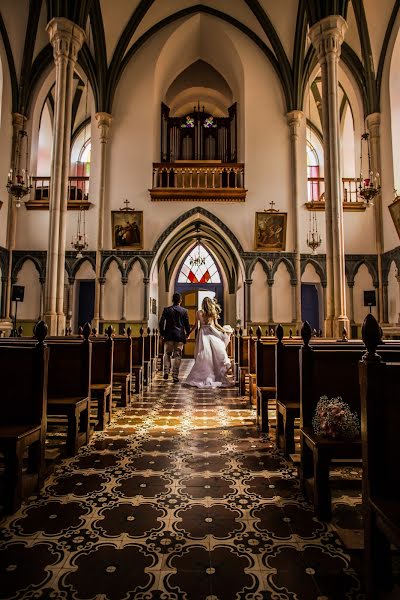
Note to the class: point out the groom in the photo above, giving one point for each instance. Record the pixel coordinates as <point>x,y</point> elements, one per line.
<point>174,328</point>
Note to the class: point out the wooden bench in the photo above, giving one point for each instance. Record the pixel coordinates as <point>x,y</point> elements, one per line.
<point>327,371</point>
<point>69,387</point>
<point>147,372</point>
<point>380,419</point>
<point>102,377</point>
<point>122,374</point>
<point>265,378</point>
<point>23,394</point>
<point>137,362</point>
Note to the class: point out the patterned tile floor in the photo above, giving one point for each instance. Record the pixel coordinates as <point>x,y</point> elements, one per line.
<point>179,499</point>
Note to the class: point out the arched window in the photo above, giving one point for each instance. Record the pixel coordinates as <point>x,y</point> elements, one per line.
<point>199,267</point>
<point>83,163</point>
<point>313,173</point>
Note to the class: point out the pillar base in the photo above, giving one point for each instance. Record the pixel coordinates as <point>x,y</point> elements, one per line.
<point>341,323</point>
<point>51,321</point>
<point>6,326</point>
<point>61,321</point>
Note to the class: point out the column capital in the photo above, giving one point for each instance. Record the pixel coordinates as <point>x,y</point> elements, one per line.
<point>294,120</point>
<point>327,36</point>
<point>248,281</point>
<point>66,37</point>
<point>373,122</point>
<point>104,120</point>
<point>18,121</point>
<point>146,280</point>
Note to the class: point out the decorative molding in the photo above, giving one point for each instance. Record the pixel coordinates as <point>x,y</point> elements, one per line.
<point>45,205</point>
<point>347,206</point>
<point>198,195</point>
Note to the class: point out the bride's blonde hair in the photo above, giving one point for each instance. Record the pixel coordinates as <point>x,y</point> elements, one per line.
<point>211,309</point>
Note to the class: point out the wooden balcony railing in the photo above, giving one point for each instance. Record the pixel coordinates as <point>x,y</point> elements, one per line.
<point>78,193</point>
<point>316,194</point>
<point>198,180</point>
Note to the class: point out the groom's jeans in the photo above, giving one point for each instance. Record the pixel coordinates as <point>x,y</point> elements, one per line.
<point>174,350</point>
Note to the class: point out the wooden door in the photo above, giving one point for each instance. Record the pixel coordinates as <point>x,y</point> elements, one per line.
<point>190,302</point>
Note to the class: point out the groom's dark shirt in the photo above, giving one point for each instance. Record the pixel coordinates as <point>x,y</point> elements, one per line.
<point>174,324</point>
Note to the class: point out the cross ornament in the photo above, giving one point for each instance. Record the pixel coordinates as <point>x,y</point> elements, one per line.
<point>127,207</point>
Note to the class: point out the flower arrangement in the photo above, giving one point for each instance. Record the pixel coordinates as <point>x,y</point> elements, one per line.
<point>333,418</point>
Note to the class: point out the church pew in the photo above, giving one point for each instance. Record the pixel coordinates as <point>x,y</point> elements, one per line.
<point>153,353</point>
<point>137,362</point>
<point>327,371</point>
<point>69,377</point>
<point>265,378</point>
<point>69,387</point>
<point>23,397</point>
<point>243,360</point>
<point>122,373</point>
<point>380,418</point>
<point>102,378</point>
<point>147,358</point>
<point>288,383</point>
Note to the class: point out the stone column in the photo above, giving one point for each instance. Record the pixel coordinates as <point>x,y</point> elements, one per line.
<point>103,123</point>
<point>18,124</point>
<point>351,307</point>
<point>124,281</point>
<point>102,281</point>
<point>70,299</point>
<point>67,39</point>
<point>373,122</point>
<point>247,301</point>
<point>146,283</point>
<point>294,119</point>
<point>42,281</point>
<point>270,302</point>
<point>327,37</point>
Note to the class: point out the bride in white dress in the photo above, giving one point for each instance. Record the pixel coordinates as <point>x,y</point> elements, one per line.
<point>211,360</point>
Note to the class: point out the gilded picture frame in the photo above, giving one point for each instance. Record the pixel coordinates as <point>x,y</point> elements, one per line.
<point>394,209</point>
<point>270,231</point>
<point>127,229</point>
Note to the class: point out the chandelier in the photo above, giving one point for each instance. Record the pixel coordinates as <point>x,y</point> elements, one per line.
<point>313,240</point>
<point>79,240</point>
<point>19,182</point>
<point>370,186</point>
<point>313,237</point>
<point>199,260</point>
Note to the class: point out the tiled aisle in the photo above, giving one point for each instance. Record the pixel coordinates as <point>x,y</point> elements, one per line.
<point>180,498</point>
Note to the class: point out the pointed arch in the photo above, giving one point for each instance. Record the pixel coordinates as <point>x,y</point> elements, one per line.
<point>107,263</point>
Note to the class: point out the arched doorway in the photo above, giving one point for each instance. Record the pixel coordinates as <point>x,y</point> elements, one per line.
<point>198,277</point>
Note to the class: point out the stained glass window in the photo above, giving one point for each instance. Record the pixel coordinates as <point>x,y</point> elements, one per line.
<point>199,267</point>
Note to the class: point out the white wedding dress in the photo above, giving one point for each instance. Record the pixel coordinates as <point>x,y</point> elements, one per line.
<point>211,360</point>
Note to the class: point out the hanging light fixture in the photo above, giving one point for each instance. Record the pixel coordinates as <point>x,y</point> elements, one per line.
<point>79,241</point>
<point>370,186</point>
<point>313,237</point>
<point>19,182</point>
<point>197,261</point>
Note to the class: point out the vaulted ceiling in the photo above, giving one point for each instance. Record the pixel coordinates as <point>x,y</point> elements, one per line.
<point>117,30</point>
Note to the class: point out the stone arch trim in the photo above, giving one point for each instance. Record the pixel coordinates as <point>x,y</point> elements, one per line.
<point>371,269</point>
<point>288,264</point>
<point>19,263</point>
<point>143,265</point>
<point>319,268</point>
<point>107,264</point>
<point>79,262</point>
<point>187,215</point>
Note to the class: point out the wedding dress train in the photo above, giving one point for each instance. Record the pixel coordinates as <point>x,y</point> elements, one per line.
<point>211,360</point>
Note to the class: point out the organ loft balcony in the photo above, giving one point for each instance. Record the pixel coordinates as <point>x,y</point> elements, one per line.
<point>198,180</point>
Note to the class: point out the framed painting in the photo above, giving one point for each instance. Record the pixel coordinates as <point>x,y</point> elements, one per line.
<point>127,229</point>
<point>395,213</point>
<point>270,231</point>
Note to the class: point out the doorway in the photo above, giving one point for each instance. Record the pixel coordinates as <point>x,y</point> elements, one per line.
<point>310,305</point>
<point>85,302</point>
<point>191,300</point>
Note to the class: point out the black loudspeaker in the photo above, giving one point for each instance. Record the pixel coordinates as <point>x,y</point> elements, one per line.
<point>18,292</point>
<point>370,298</point>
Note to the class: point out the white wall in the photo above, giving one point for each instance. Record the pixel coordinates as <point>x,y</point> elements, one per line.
<point>113,294</point>
<point>362,282</point>
<point>393,296</point>
<point>30,307</point>
<point>135,294</point>
<point>259,295</point>
<point>282,296</point>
